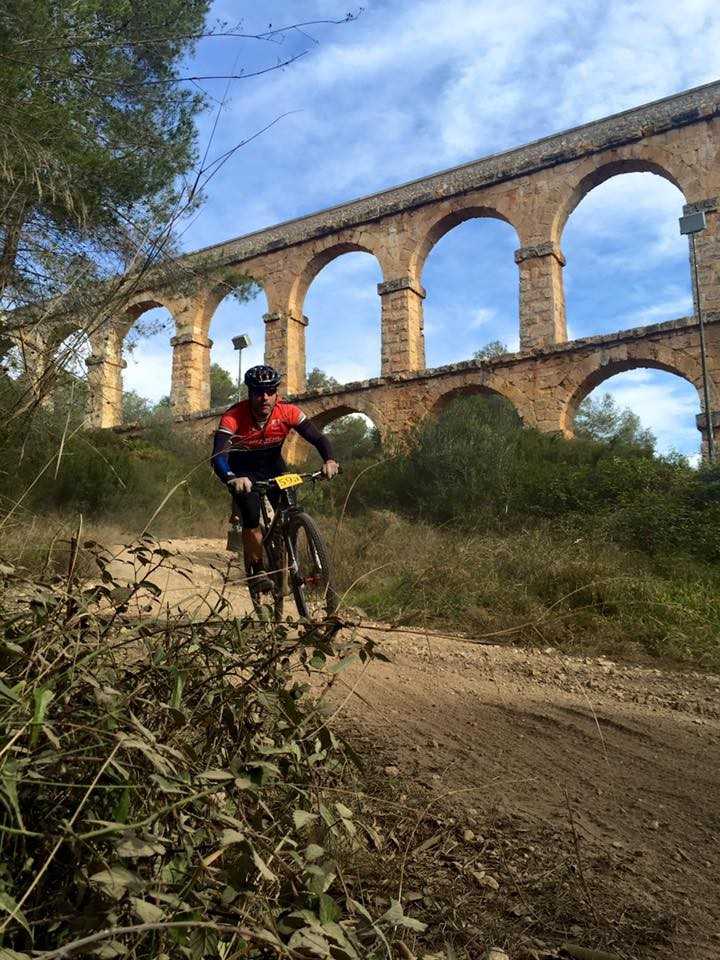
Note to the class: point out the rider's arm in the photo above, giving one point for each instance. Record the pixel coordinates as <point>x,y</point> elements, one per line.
<point>220,456</point>
<point>308,431</point>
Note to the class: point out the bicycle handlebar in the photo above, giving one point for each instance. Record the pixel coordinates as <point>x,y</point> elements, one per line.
<point>261,485</point>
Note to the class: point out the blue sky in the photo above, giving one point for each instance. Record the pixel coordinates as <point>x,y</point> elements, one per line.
<point>414,86</point>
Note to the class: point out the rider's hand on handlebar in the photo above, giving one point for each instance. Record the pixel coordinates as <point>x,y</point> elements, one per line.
<point>240,485</point>
<point>330,469</point>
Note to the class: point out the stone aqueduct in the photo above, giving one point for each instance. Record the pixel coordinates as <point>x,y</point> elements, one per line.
<point>534,188</point>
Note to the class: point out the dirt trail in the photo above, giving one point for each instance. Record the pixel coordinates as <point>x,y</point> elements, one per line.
<point>534,743</point>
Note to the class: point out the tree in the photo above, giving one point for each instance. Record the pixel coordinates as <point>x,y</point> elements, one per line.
<point>317,379</point>
<point>495,348</point>
<point>223,389</point>
<point>353,438</point>
<point>135,408</point>
<point>96,135</point>
<point>604,420</point>
<point>98,163</point>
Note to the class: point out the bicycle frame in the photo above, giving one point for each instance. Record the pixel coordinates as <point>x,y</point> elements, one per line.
<point>284,511</point>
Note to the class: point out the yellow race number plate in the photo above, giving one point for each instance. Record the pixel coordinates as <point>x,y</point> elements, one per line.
<point>286,480</point>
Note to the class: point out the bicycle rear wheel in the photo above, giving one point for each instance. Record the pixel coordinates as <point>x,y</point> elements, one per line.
<point>313,584</point>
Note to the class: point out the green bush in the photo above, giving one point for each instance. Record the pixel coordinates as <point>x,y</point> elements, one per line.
<point>108,476</point>
<point>168,787</point>
<point>476,468</point>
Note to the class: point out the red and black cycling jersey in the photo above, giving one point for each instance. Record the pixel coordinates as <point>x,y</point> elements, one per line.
<point>247,435</point>
<point>242,448</point>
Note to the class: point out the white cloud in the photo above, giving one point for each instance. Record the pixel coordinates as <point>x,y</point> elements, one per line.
<point>148,373</point>
<point>416,86</point>
<point>481,317</point>
<point>672,308</point>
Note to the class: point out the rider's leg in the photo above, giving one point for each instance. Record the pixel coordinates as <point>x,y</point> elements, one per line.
<point>248,507</point>
<point>252,547</point>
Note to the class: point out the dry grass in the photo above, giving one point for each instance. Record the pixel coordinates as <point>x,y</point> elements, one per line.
<point>530,587</point>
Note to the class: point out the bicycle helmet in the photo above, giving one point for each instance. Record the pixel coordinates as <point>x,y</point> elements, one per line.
<point>256,378</point>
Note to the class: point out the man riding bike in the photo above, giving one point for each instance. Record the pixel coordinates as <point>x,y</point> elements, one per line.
<point>247,447</point>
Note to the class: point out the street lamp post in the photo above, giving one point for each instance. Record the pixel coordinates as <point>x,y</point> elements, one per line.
<point>691,224</point>
<point>240,342</point>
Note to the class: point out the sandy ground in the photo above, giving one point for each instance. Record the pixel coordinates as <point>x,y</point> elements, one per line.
<point>620,761</point>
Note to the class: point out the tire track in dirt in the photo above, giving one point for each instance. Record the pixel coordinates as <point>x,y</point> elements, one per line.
<point>642,778</point>
<point>517,736</point>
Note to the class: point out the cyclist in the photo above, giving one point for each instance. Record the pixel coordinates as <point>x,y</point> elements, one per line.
<point>247,447</point>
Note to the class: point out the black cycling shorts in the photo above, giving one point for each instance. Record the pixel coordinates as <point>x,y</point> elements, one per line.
<point>247,507</point>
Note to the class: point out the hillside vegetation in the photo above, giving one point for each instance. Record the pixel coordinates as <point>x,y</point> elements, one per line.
<point>491,529</point>
<point>476,525</point>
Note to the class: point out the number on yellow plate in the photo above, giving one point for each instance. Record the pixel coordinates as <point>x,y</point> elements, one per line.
<point>288,480</point>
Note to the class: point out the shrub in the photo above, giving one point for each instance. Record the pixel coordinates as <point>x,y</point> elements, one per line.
<point>168,787</point>
<point>476,468</point>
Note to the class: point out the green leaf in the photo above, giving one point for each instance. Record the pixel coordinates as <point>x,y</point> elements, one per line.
<point>8,905</point>
<point>122,808</point>
<point>167,786</point>
<point>135,848</point>
<point>302,818</point>
<point>42,698</point>
<point>8,779</point>
<point>176,698</point>
<point>6,954</point>
<point>343,664</point>
<point>320,877</point>
<point>213,775</point>
<point>329,910</point>
<point>115,881</point>
<point>109,949</point>
<point>231,836</point>
<point>396,916</point>
<point>10,693</point>
<point>148,912</point>
<point>313,852</point>
<point>265,871</point>
<point>343,810</point>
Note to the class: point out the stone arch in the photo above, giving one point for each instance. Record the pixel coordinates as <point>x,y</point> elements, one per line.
<point>602,171</point>
<point>140,304</point>
<point>683,367</point>
<point>444,400</point>
<point>315,264</point>
<point>222,288</point>
<point>328,413</point>
<point>444,224</point>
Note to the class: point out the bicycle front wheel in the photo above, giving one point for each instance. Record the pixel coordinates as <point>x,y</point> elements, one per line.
<point>313,584</point>
<point>276,565</point>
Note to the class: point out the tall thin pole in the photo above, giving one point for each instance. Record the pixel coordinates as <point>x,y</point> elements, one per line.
<point>239,383</point>
<point>703,360</point>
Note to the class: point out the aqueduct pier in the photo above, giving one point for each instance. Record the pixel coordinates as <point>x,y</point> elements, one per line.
<point>534,188</point>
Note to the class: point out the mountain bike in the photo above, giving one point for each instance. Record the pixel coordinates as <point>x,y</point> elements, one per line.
<point>296,558</point>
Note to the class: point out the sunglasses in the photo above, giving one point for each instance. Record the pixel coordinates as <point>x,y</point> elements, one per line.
<point>263,391</point>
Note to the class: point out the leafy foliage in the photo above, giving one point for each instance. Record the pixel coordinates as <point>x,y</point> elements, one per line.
<point>605,420</point>
<point>539,583</point>
<point>223,389</point>
<point>134,407</point>
<point>353,438</point>
<point>96,132</point>
<point>495,348</point>
<point>63,469</point>
<point>170,773</point>
<point>477,468</point>
<point>317,379</point>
